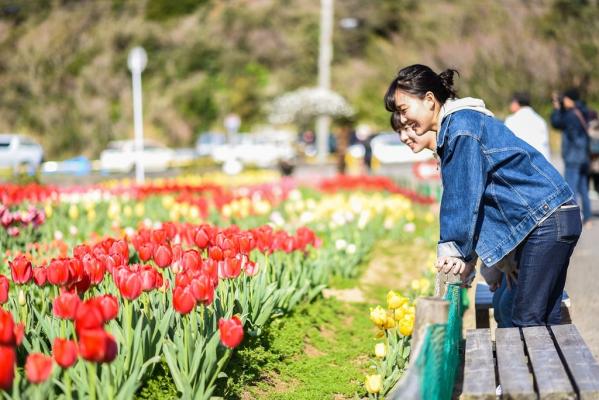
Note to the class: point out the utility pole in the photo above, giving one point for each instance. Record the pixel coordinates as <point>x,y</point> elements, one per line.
<point>325,56</point>
<point>136,62</point>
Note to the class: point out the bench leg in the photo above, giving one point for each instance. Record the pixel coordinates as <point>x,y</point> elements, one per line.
<point>482,318</point>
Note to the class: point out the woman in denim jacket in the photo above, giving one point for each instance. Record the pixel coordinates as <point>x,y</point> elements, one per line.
<point>500,195</point>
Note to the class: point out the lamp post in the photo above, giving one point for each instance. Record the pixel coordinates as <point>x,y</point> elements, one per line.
<point>136,61</point>
<point>325,56</point>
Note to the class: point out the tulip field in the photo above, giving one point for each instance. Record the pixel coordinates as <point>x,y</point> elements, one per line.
<point>107,290</point>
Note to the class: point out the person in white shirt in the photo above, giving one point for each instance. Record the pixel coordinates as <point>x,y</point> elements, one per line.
<point>528,125</point>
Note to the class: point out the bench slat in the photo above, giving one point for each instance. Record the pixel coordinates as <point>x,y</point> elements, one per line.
<point>582,365</point>
<point>551,377</point>
<point>514,376</point>
<point>479,366</point>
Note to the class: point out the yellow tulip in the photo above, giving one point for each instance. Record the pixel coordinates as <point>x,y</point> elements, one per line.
<point>48,209</point>
<point>378,315</point>
<point>389,322</point>
<point>73,211</point>
<point>91,215</point>
<point>139,209</point>
<point>395,300</point>
<point>127,211</point>
<point>399,313</point>
<point>406,327</point>
<point>374,383</point>
<point>415,285</point>
<point>380,350</point>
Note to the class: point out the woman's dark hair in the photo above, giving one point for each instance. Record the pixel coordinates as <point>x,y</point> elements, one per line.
<point>396,124</point>
<point>418,79</point>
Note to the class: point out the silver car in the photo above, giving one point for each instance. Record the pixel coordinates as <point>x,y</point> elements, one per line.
<point>20,153</point>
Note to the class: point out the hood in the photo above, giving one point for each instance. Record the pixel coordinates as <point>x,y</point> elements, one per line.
<point>466,103</point>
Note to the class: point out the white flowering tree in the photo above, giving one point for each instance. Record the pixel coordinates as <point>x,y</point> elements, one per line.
<point>305,104</point>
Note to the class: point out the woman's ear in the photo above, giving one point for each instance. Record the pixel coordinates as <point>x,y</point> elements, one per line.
<point>430,100</point>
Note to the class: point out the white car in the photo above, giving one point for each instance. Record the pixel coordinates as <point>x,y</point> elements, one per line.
<point>120,155</point>
<point>20,152</point>
<point>260,150</point>
<point>388,149</point>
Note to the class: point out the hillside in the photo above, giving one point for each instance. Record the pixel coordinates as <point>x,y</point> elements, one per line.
<point>64,80</point>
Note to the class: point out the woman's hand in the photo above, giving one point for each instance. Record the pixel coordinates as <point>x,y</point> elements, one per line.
<point>452,265</point>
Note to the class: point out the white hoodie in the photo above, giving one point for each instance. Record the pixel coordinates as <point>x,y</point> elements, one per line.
<point>466,103</point>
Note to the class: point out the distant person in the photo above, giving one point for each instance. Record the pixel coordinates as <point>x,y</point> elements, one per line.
<point>571,116</point>
<point>527,124</point>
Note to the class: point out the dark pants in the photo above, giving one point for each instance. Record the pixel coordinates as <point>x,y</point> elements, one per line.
<point>577,176</point>
<point>543,260</point>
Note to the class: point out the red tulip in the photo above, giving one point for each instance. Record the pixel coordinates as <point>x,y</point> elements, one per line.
<point>4,286</point>
<point>145,251</point>
<point>89,316</point>
<point>130,286</point>
<point>93,268</point>
<point>216,253</point>
<point>7,328</point>
<point>183,300</point>
<point>8,355</point>
<point>64,352</point>
<point>251,268</point>
<point>158,236</point>
<point>120,247</point>
<point>76,270</point>
<point>201,238</point>
<point>231,331</point>
<point>202,289</point>
<point>149,277</point>
<point>109,306</point>
<point>19,332</point>
<point>97,345</point>
<point>230,268</point>
<point>20,269</point>
<point>65,305</point>
<point>38,367</point>
<point>58,272</point>
<point>40,276</point>
<point>163,256</point>
<point>191,260</point>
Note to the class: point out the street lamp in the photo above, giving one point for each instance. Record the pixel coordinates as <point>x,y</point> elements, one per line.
<point>325,55</point>
<point>136,61</point>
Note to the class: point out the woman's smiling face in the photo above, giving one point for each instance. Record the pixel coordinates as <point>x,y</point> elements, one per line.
<point>417,113</point>
<point>417,143</point>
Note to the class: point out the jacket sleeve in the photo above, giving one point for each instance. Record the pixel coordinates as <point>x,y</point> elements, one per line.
<point>557,119</point>
<point>464,174</point>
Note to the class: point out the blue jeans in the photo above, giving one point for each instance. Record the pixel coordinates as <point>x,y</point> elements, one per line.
<point>577,176</point>
<point>543,259</point>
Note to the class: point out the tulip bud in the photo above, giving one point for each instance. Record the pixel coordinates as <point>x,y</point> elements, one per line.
<point>380,350</point>
<point>22,298</point>
<point>374,383</point>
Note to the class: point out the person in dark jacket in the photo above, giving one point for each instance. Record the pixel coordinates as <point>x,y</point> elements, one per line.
<point>571,116</point>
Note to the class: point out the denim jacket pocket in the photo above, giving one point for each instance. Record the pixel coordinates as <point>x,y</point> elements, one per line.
<point>569,224</point>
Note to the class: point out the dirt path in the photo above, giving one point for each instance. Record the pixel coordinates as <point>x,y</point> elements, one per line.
<point>582,284</point>
<point>393,266</point>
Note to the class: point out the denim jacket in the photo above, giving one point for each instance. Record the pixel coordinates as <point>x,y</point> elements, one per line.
<point>496,187</point>
<point>575,140</point>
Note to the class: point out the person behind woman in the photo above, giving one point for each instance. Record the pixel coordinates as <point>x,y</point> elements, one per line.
<point>500,195</point>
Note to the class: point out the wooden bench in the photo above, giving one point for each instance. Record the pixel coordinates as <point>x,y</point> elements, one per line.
<point>529,363</point>
<point>483,303</point>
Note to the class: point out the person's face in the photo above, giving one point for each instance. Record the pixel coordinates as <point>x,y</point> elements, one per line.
<point>417,143</point>
<point>569,103</point>
<point>514,106</point>
<point>417,113</point>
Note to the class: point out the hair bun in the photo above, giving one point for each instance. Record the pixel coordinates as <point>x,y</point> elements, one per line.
<point>447,80</point>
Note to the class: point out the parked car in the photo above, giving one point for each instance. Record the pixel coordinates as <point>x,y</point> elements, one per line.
<point>208,141</point>
<point>388,149</point>
<point>261,150</point>
<point>20,152</point>
<point>79,166</point>
<point>120,155</point>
